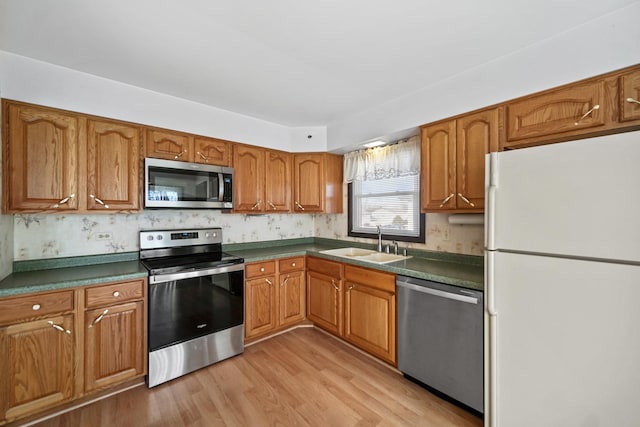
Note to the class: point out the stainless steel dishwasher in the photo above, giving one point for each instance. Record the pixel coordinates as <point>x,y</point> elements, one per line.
<point>440,338</point>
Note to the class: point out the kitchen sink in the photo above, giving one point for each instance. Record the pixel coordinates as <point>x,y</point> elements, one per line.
<point>367,255</point>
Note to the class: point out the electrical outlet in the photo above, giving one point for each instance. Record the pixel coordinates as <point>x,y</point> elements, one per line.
<point>446,232</point>
<point>102,235</point>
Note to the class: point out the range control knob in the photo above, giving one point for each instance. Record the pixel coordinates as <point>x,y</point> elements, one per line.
<point>159,237</point>
<point>149,237</point>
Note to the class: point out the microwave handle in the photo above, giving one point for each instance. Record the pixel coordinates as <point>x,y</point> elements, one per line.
<point>220,187</point>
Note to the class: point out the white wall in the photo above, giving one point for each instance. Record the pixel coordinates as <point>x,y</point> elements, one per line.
<point>28,80</point>
<point>602,45</point>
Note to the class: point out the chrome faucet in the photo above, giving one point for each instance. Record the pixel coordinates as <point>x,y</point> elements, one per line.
<point>379,239</point>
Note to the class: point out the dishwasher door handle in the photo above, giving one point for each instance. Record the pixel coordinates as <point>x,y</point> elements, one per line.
<point>438,293</point>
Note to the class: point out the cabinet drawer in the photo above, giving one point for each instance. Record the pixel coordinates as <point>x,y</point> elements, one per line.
<point>291,264</point>
<point>258,269</point>
<point>330,268</point>
<point>114,293</point>
<point>30,306</point>
<point>372,278</point>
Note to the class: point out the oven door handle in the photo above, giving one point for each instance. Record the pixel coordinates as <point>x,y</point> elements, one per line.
<point>162,278</point>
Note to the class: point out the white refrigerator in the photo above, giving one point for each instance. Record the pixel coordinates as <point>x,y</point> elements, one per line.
<point>562,267</point>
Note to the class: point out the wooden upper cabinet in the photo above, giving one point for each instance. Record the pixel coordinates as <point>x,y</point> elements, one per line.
<point>113,166</point>
<point>277,181</point>
<point>476,135</point>
<point>40,159</point>
<point>317,182</point>
<point>453,161</point>
<point>248,164</point>
<point>438,171</point>
<point>164,144</point>
<point>211,151</point>
<point>571,110</point>
<point>629,96</point>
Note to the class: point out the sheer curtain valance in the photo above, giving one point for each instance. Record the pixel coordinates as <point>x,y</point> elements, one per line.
<point>401,159</point>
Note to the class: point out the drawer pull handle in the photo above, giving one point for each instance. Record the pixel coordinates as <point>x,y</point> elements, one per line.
<point>254,207</point>
<point>272,206</point>
<point>59,328</point>
<point>633,101</point>
<point>35,307</point>
<point>116,294</point>
<point>594,108</point>
<point>299,206</point>
<point>177,156</point>
<point>99,318</point>
<point>63,201</point>
<point>334,285</point>
<point>269,282</point>
<point>205,158</point>
<point>350,287</point>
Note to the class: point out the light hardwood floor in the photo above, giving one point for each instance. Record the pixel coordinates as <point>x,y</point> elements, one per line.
<point>300,378</point>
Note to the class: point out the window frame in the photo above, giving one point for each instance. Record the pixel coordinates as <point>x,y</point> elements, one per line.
<point>400,238</point>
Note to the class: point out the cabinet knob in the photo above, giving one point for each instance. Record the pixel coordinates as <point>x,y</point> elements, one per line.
<point>261,269</point>
<point>293,264</point>
<point>116,294</point>
<point>35,307</point>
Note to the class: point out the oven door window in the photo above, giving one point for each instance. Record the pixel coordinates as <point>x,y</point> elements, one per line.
<point>182,185</point>
<point>190,308</point>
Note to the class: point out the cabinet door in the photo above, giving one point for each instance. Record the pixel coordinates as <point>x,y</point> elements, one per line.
<point>163,144</point>
<point>278,181</point>
<point>260,306</point>
<point>292,298</point>
<point>571,110</point>
<point>308,183</point>
<point>212,151</point>
<point>248,163</point>
<point>324,301</point>
<point>629,96</point>
<point>41,159</point>
<point>114,344</point>
<point>477,135</point>
<point>370,320</point>
<point>113,166</point>
<point>36,365</point>
<point>438,171</point>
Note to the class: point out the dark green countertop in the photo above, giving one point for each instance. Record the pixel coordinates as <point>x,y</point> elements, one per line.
<point>51,274</point>
<point>460,270</point>
<point>47,275</point>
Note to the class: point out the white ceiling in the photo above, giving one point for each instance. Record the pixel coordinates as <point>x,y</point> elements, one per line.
<point>291,62</point>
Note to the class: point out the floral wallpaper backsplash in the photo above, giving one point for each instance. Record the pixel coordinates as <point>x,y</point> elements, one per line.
<point>58,235</point>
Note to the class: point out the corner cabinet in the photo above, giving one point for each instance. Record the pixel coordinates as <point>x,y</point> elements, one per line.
<point>317,183</point>
<point>355,303</point>
<point>262,180</point>
<point>59,161</point>
<point>453,161</point>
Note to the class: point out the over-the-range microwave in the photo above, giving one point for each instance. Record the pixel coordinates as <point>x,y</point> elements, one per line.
<point>185,185</point>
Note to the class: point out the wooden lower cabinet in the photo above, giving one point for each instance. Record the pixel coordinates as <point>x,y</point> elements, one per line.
<point>274,296</point>
<point>49,355</point>
<point>324,294</point>
<point>370,311</point>
<point>355,303</point>
<point>37,362</point>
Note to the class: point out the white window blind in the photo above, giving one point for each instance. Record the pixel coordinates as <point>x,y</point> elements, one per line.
<point>391,203</point>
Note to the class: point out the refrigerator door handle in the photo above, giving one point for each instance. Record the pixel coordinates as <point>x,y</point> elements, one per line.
<point>491,178</point>
<point>492,321</point>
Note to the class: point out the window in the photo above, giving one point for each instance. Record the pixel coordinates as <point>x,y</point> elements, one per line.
<point>388,199</point>
<point>393,204</point>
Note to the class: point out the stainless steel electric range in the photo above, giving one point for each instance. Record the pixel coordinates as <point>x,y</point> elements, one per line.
<point>196,303</point>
